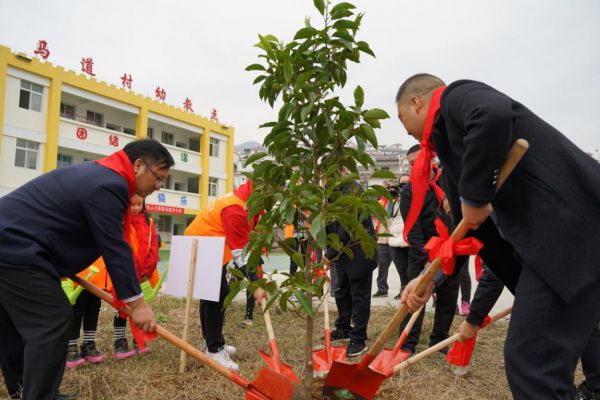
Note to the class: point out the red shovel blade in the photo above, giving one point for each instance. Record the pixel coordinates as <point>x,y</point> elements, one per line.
<point>388,359</point>
<point>321,360</point>
<point>348,381</point>
<point>278,367</point>
<point>270,385</point>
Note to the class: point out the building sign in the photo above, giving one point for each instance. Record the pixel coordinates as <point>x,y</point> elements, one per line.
<point>164,209</point>
<point>87,66</point>
<point>126,80</point>
<point>81,133</point>
<point>187,104</point>
<point>113,140</point>
<point>184,157</point>
<point>160,93</point>
<point>42,49</point>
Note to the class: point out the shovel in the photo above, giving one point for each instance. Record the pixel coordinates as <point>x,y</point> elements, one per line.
<point>322,359</point>
<point>71,292</point>
<point>273,361</point>
<point>346,380</point>
<point>388,358</point>
<point>267,386</point>
<point>150,292</point>
<point>444,343</point>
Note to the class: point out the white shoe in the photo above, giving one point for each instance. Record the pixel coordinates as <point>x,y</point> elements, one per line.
<point>223,358</point>
<point>229,349</point>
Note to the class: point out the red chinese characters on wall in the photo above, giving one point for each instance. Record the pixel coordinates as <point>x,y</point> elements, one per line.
<point>164,209</point>
<point>87,66</point>
<point>113,140</point>
<point>42,49</point>
<point>126,80</point>
<point>213,115</point>
<point>160,93</point>
<point>81,133</point>
<point>187,104</point>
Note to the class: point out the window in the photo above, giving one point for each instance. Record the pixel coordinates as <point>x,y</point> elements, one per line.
<point>169,182</point>
<point>63,160</point>
<point>181,145</point>
<point>167,138</point>
<point>195,145</point>
<point>180,186</point>
<point>129,131</point>
<point>213,184</point>
<point>95,118</point>
<point>26,154</point>
<point>178,229</point>
<point>150,133</point>
<point>214,147</point>
<point>192,185</point>
<point>67,111</point>
<point>164,223</point>
<point>113,127</point>
<point>30,97</point>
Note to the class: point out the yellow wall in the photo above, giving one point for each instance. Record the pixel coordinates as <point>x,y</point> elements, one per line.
<point>58,76</point>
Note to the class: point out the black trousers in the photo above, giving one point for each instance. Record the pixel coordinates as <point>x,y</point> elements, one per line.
<point>546,338</point>
<point>387,254</point>
<point>212,317</point>
<point>86,309</point>
<point>35,323</point>
<point>447,294</point>
<point>353,301</point>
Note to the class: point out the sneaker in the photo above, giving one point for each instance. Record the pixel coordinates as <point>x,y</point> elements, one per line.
<point>465,308</point>
<point>355,348</point>
<point>222,357</point>
<point>228,349</point>
<point>583,393</point>
<point>147,349</point>
<point>245,323</point>
<point>379,293</point>
<point>122,350</point>
<point>339,334</point>
<point>74,358</point>
<point>90,354</point>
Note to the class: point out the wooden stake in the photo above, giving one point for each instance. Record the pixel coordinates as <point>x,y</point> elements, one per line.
<point>188,304</point>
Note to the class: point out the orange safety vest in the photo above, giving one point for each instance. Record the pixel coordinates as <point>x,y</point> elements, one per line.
<point>288,231</point>
<point>208,221</point>
<point>102,278</point>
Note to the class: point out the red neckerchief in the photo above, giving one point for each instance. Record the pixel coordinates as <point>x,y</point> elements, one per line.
<point>143,234</point>
<point>421,171</point>
<point>439,193</point>
<point>243,192</point>
<point>120,163</point>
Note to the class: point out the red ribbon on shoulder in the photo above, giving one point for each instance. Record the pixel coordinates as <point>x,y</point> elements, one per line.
<point>421,170</point>
<point>447,249</point>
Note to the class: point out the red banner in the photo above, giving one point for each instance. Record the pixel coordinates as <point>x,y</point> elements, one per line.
<point>164,209</point>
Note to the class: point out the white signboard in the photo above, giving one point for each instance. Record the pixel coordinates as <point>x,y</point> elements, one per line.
<point>209,267</point>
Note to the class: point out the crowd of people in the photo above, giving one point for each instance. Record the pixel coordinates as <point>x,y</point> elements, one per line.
<point>62,221</point>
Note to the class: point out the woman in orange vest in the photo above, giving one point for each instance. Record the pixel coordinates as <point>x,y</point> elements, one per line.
<point>227,216</point>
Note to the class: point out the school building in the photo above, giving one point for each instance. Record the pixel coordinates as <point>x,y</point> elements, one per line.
<point>51,118</point>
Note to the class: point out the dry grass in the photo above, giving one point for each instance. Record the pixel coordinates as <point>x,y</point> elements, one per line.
<point>154,376</point>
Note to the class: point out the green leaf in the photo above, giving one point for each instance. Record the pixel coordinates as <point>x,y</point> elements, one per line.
<point>383,174</point>
<point>255,157</point>
<point>337,14</point>
<point>364,47</point>
<point>304,33</point>
<point>259,79</point>
<point>306,305</point>
<point>305,111</point>
<point>376,113</point>
<point>298,259</point>
<point>344,24</point>
<point>369,133</point>
<point>343,6</point>
<point>317,230</point>
<point>320,4</point>
<point>255,67</point>
<point>359,96</point>
<point>287,70</point>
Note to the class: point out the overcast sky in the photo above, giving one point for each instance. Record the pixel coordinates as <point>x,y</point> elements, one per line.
<point>544,53</point>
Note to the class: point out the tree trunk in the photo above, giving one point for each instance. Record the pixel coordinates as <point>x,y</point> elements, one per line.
<point>308,349</point>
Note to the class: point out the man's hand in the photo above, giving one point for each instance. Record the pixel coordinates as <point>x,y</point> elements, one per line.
<point>142,315</point>
<point>466,331</point>
<point>260,294</point>
<point>474,216</point>
<point>411,299</point>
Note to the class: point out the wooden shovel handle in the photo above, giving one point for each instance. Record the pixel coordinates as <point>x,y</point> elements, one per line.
<point>514,155</point>
<point>444,343</point>
<point>268,323</point>
<point>168,336</point>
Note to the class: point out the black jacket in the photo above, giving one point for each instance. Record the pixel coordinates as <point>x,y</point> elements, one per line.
<point>359,265</point>
<point>549,208</point>
<point>64,220</point>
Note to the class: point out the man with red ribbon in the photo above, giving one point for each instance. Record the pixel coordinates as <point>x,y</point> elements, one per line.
<point>419,229</point>
<point>56,225</point>
<point>551,198</point>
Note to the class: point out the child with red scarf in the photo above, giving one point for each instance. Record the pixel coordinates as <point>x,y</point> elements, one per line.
<point>144,243</point>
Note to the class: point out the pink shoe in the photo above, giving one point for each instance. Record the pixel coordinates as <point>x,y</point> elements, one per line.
<point>74,358</point>
<point>122,350</point>
<point>90,354</point>
<point>465,308</point>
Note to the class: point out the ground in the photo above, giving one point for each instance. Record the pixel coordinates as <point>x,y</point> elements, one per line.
<point>154,376</point>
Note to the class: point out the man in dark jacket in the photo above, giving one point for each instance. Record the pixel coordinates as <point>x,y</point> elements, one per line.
<point>56,225</point>
<point>354,279</point>
<point>420,233</point>
<point>551,198</point>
